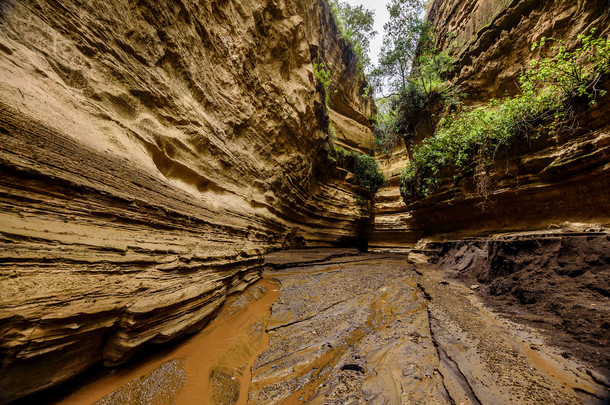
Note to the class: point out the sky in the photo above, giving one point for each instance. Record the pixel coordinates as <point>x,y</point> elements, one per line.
<point>381,17</point>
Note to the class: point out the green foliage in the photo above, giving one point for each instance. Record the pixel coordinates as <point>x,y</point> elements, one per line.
<point>368,174</point>
<point>324,77</point>
<point>385,128</point>
<point>416,75</point>
<point>548,89</point>
<point>405,34</point>
<point>429,71</point>
<point>362,201</point>
<point>365,167</point>
<point>426,94</point>
<point>573,74</point>
<point>356,26</point>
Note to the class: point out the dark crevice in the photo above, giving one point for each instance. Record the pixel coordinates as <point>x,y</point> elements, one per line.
<point>352,367</point>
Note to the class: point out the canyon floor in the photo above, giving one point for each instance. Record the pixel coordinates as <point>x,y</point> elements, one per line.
<point>337,326</point>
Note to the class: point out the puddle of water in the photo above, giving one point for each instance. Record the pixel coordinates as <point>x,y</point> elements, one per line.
<point>216,361</point>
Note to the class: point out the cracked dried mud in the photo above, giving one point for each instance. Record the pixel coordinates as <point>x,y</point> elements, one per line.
<point>332,326</point>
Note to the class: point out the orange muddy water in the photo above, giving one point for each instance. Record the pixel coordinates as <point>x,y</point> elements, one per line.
<point>211,367</point>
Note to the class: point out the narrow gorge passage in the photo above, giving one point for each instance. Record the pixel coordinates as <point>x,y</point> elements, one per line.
<point>349,327</point>
<point>184,186</point>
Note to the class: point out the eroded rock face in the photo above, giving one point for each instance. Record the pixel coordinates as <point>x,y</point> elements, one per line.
<point>393,224</point>
<point>491,40</point>
<point>537,184</point>
<point>555,281</point>
<point>151,154</point>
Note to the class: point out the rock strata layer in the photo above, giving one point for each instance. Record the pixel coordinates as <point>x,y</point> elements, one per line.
<point>151,154</point>
<point>537,184</point>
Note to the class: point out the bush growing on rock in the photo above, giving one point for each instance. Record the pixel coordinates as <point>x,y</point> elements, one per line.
<point>365,168</point>
<point>368,174</point>
<point>548,91</point>
<point>415,74</point>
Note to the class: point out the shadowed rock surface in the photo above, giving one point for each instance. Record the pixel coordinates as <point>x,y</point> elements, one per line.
<point>555,282</point>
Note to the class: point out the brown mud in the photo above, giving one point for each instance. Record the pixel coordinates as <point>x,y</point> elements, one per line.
<point>211,367</point>
<point>377,329</point>
<point>556,282</point>
<point>353,328</point>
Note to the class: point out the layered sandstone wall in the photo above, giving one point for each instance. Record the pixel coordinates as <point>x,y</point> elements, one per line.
<point>151,153</point>
<point>536,185</point>
<point>490,41</point>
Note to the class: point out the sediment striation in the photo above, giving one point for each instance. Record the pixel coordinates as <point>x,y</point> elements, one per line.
<point>151,153</point>
<point>538,184</point>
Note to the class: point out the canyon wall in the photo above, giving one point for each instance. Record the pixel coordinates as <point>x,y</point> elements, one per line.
<point>151,153</point>
<point>563,182</point>
<point>537,184</point>
<point>532,232</point>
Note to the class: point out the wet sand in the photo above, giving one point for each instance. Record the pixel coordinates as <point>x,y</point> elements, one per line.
<point>326,327</point>
<point>211,367</point>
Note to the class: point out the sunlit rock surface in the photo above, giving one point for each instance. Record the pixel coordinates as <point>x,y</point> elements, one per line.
<point>151,153</point>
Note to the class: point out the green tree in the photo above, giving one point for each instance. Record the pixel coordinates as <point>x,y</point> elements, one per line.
<point>405,34</point>
<point>356,25</point>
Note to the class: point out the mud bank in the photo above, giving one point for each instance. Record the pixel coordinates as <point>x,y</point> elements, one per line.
<point>212,367</point>
<point>559,282</point>
<point>335,326</point>
<point>374,328</point>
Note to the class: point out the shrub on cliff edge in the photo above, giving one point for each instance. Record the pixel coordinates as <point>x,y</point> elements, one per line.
<point>365,168</point>
<point>548,90</point>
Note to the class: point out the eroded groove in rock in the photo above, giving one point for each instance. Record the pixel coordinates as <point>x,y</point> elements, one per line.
<point>373,344</point>
<point>493,356</point>
<point>151,154</point>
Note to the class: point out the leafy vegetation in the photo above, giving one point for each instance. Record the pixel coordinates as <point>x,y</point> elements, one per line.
<point>386,131</point>
<point>324,78</point>
<point>356,25</point>
<point>404,33</point>
<point>368,174</point>
<point>415,75</point>
<point>428,93</point>
<point>548,91</point>
<point>365,167</point>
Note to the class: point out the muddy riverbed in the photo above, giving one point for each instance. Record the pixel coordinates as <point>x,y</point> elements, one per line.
<point>341,327</point>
